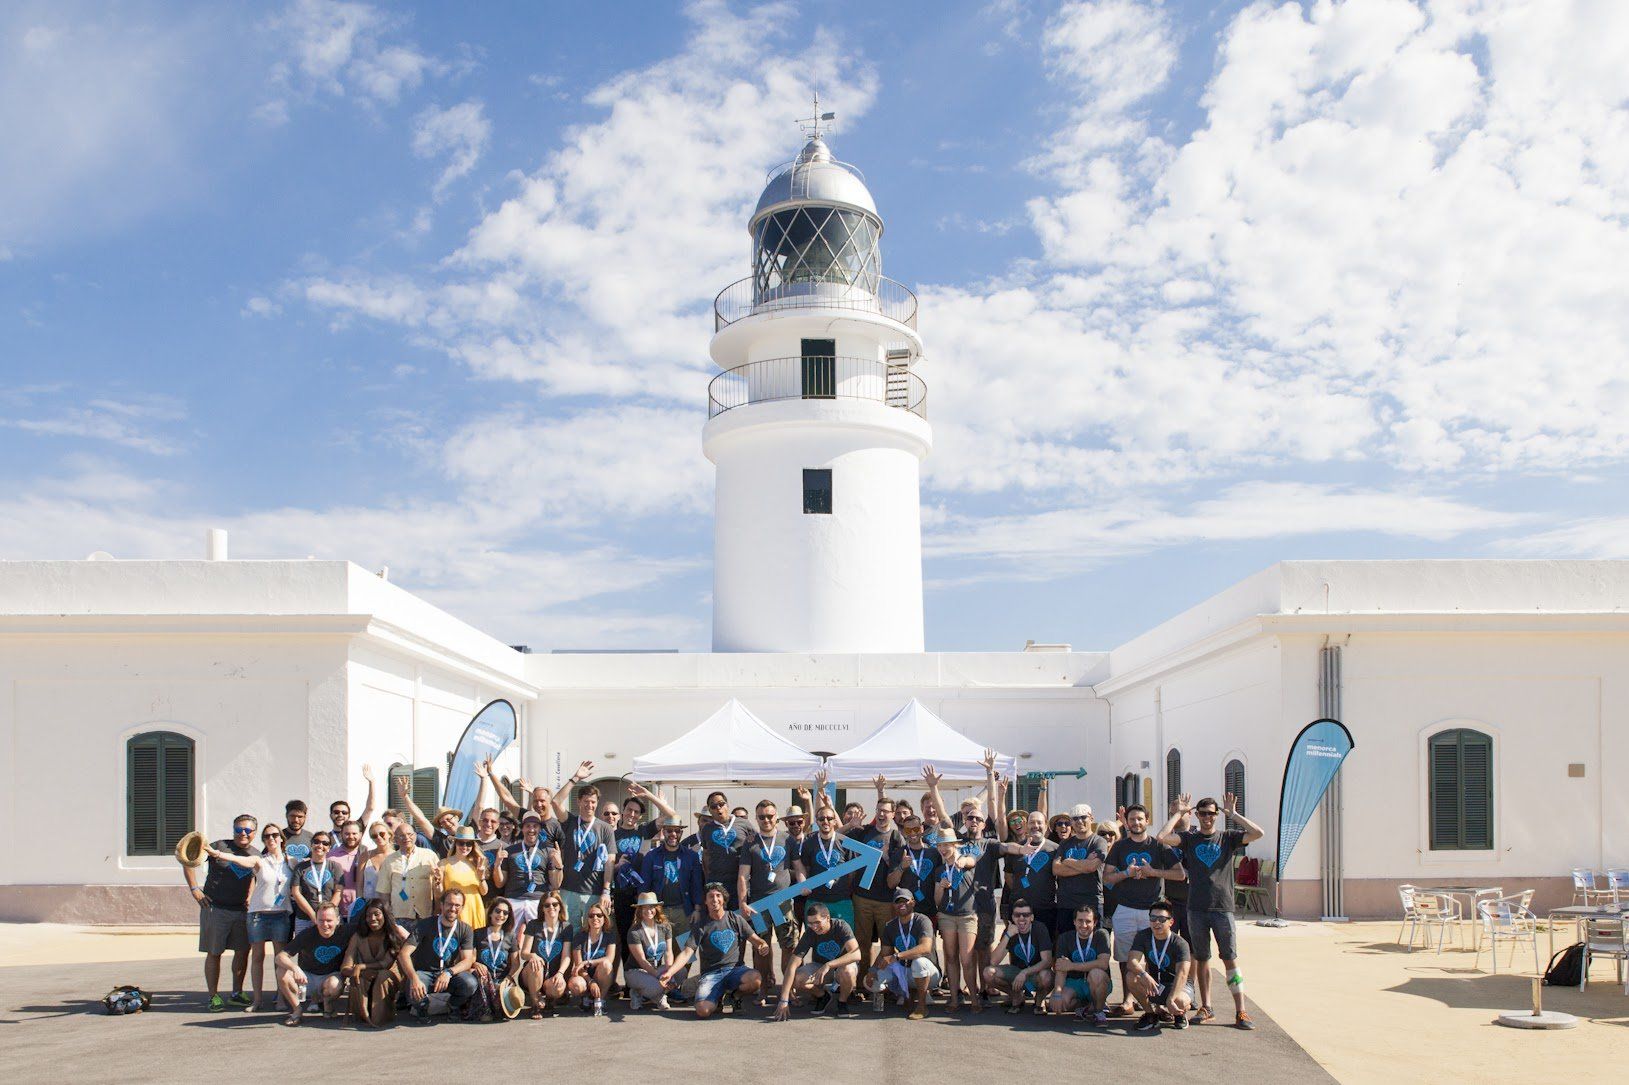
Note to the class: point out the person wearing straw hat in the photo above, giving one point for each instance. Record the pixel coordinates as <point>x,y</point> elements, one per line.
<point>650,946</point>
<point>440,829</point>
<point>465,868</point>
<point>674,875</point>
<point>223,905</point>
<point>526,869</point>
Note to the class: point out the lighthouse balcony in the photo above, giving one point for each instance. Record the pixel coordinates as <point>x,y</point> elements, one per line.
<point>772,380</point>
<point>867,294</point>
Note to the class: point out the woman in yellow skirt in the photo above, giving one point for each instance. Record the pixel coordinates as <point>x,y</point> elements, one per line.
<point>465,869</point>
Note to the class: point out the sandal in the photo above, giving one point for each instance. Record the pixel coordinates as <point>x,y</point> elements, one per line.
<point>292,1020</point>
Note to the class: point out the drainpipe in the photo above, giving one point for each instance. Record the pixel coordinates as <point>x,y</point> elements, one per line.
<point>1333,868</point>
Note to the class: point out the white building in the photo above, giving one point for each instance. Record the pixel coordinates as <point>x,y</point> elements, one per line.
<point>186,692</point>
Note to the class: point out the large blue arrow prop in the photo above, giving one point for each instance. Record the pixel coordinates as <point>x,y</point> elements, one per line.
<point>866,859</point>
<point>1079,774</point>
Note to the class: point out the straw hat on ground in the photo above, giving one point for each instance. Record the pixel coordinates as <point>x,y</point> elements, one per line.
<point>511,998</point>
<point>189,850</point>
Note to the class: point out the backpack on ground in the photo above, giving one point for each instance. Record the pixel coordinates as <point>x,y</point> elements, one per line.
<point>1566,968</point>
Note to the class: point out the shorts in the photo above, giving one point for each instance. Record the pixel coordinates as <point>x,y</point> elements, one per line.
<point>984,936</point>
<point>841,909</point>
<point>786,934</point>
<point>1128,923</point>
<point>1080,985</point>
<point>222,929</point>
<point>268,927</point>
<point>576,905</point>
<point>711,986</point>
<point>964,924</point>
<point>898,977</point>
<point>1008,972</point>
<point>1202,925</point>
<point>523,910</point>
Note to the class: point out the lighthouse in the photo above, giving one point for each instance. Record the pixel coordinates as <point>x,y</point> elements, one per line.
<point>817,426</point>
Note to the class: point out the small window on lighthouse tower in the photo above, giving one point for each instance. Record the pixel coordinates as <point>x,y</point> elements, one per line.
<point>817,490</point>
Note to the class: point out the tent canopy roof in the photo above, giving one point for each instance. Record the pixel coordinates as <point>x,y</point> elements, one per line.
<point>730,745</point>
<point>912,738</point>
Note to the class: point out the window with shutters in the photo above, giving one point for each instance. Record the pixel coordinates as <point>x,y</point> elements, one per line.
<point>158,792</point>
<point>1173,775</point>
<point>1233,781</point>
<point>1460,763</point>
<point>423,784</point>
<point>1028,794</point>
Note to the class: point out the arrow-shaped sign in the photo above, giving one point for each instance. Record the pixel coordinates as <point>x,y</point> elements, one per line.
<point>1079,774</point>
<point>866,858</point>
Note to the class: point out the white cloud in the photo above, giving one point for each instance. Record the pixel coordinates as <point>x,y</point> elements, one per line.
<point>1046,544</point>
<point>140,423</point>
<point>459,133</point>
<point>612,250</point>
<point>340,49</point>
<point>1399,236</point>
<point>1587,537</point>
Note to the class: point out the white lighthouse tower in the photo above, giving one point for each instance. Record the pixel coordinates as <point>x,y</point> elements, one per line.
<point>817,426</point>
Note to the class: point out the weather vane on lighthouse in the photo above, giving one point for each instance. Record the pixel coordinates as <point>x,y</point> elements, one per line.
<point>811,125</point>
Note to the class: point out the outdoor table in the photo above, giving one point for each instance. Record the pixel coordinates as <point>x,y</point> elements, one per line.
<point>1576,914</point>
<point>1470,894</point>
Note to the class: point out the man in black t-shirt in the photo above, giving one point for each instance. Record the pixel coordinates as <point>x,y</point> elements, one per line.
<point>587,850</point>
<point>717,942</point>
<point>1157,973</point>
<point>1138,868</point>
<point>872,905</point>
<point>823,851</point>
<point>223,904</point>
<point>1080,967</point>
<point>905,966</point>
<point>766,866</point>
<point>528,868</point>
<point>443,957</point>
<point>833,956</point>
<point>312,959</point>
<point>1207,855</point>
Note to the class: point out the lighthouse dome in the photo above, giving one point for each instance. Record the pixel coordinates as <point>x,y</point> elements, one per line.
<point>814,176</point>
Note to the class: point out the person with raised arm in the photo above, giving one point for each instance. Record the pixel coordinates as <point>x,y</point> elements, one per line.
<point>440,829</point>
<point>634,834</point>
<point>722,837</point>
<point>905,968</point>
<point>269,920</point>
<point>955,898</point>
<point>822,852</point>
<point>834,956</point>
<point>981,840</point>
<point>1207,859</point>
<point>1032,856</point>
<point>586,847</point>
<point>339,811</point>
<point>223,908</point>
<point>717,943</point>
<point>526,869</point>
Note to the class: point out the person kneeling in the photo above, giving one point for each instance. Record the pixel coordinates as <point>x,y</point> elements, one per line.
<point>1157,973</point>
<point>833,955</point>
<point>443,958</point>
<point>719,936</point>
<point>1026,949</point>
<point>314,958</point>
<point>905,967</point>
<point>1080,968</point>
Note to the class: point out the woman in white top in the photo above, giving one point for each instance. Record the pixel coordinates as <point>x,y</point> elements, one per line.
<point>370,863</point>
<point>270,917</point>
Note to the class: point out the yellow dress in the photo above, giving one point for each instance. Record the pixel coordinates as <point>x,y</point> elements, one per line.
<point>458,874</point>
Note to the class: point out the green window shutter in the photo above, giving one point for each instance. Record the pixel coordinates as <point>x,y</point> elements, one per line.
<point>1233,781</point>
<point>1173,775</point>
<point>158,792</point>
<point>427,790</point>
<point>1446,827</point>
<point>1476,772</point>
<point>141,789</point>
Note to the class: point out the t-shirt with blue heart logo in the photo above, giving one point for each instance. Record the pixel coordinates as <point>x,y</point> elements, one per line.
<point>825,947</point>
<point>1148,852</point>
<point>1208,861</point>
<point>720,941</point>
<point>319,956</point>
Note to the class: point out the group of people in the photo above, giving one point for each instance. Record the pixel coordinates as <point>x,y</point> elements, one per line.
<point>536,907</point>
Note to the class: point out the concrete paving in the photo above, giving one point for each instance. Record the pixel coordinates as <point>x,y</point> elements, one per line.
<point>53,1027</point>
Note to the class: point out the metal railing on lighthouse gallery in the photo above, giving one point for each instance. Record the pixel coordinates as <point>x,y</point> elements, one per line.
<point>818,377</point>
<point>744,298</point>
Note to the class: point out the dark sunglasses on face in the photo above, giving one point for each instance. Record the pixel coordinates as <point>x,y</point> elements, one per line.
<point>1206,813</point>
<point>766,817</point>
<point>1159,919</point>
<point>239,830</point>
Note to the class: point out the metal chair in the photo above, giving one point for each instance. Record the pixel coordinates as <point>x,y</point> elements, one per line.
<point>1618,882</point>
<point>1492,893</point>
<point>1425,910</point>
<point>1258,897</point>
<point>1508,920</point>
<point>1605,937</point>
<point>1585,891</point>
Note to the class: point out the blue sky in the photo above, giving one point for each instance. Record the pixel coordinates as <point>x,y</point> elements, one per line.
<point>1204,287</point>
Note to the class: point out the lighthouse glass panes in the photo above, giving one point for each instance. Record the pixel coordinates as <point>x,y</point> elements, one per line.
<point>804,245</point>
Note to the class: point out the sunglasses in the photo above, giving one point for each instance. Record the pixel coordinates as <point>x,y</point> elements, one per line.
<point>1206,813</point>
<point>552,904</point>
<point>717,805</point>
<point>272,836</point>
<point>766,817</point>
<point>240,831</point>
<point>1159,919</point>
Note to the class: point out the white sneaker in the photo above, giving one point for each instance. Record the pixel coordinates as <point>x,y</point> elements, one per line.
<point>661,1003</point>
<point>636,1001</point>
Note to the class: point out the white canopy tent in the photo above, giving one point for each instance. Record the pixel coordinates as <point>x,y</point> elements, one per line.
<point>731,745</point>
<point>912,738</point>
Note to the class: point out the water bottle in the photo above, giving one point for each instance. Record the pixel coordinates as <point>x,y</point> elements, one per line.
<point>299,994</point>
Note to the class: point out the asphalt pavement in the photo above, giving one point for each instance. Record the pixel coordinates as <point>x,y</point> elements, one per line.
<point>53,1028</point>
